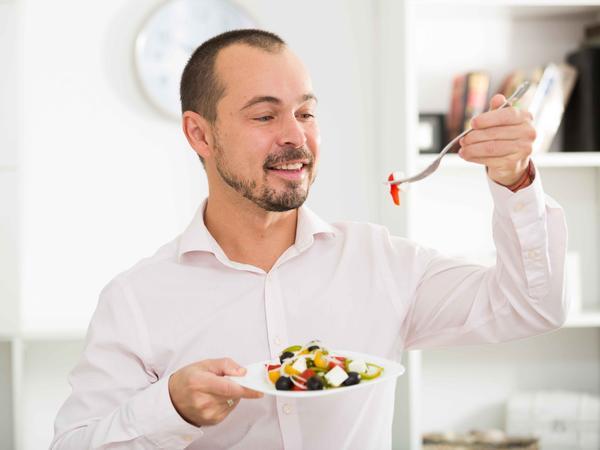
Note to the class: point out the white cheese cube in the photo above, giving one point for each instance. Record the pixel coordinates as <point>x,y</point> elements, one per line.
<point>299,365</point>
<point>336,376</point>
<point>357,365</point>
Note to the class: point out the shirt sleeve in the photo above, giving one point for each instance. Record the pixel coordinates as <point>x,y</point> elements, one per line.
<point>117,401</point>
<point>458,303</point>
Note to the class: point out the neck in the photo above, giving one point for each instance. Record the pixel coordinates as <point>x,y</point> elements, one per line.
<point>247,233</point>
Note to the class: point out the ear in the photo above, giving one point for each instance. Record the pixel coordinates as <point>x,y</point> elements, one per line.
<point>197,130</point>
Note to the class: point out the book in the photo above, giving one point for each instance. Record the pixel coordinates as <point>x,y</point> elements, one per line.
<point>591,35</point>
<point>582,116</point>
<point>546,98</point>
<point>478,85</point>
<point>469,98</point>
<point>549,101</point>
<point>454,118</point>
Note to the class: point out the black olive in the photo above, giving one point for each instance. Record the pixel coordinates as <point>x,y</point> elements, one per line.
<point>353,378</point>
<point>314,383</point>
<point>284,384</point>
<point>309,363</point>
<point>285,355</point>
<point>313,347</point>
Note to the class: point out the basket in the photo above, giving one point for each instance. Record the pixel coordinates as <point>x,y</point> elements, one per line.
<point>476,440</point>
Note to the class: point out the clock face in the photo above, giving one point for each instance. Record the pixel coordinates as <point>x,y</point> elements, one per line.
<point>170,36</point>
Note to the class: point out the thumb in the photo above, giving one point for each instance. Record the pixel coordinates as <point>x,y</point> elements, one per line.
<point>497,101</point>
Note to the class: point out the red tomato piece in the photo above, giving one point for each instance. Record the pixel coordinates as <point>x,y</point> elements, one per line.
<point>307,374</point>
<point>394,191</point>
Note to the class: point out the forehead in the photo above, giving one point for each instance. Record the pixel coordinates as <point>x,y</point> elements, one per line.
<point>247,72</point>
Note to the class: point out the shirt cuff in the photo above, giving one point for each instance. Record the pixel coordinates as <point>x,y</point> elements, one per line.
<point>522,207</point>
<point>159,421</point>
<point>526,211</point>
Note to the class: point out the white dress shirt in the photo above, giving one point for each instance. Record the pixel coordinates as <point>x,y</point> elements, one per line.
<point>351,285</point>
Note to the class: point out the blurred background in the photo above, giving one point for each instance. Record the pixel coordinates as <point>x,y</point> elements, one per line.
<point>95,174</point>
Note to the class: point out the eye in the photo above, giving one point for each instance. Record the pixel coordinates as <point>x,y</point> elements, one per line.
<point>307,116</point>
<point>263,118</point>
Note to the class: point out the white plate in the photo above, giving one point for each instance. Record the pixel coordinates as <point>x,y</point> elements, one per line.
<point>256,376</point>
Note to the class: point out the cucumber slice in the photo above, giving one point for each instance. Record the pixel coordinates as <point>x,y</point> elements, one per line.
<point>293,348</point>
<point>373,371</point>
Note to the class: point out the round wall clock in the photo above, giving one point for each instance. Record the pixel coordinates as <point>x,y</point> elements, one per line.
<point>169,37</point>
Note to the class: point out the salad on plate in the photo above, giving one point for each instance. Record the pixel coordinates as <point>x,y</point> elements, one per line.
<point>313,367</point>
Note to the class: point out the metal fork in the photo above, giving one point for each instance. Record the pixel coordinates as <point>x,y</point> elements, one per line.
<point>436,163</point>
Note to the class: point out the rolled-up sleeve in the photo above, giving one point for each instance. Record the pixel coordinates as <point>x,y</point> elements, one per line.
<point>459,303</point>
<point>117,401</point>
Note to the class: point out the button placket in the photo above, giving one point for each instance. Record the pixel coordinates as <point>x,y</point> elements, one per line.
<point>278,337</point>
<point>276,326</point>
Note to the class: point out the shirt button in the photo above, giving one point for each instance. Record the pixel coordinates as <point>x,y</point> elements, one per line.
<point>287,408</point>
<point>188,438</point>
<point>532,254</point>
<point>277,340</point>
<point>519,206</point>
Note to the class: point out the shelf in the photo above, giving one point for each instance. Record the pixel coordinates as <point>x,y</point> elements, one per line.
<point>528,9</point>
<point>555,159</point>
<point>44,336</point>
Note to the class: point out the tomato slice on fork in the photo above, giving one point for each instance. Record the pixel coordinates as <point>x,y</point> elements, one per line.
<point>394,190</point>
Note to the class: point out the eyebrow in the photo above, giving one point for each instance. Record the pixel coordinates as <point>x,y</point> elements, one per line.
<point>275,100</point>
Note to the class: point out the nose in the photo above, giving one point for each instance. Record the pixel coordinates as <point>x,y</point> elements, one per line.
<point>292,133</point>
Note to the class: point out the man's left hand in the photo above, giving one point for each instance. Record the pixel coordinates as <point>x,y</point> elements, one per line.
<point>502,140</point>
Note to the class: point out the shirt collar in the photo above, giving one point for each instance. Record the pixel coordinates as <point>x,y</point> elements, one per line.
<point>197,238</point>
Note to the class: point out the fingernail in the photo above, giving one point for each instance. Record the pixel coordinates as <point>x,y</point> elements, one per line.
<point>241,370</point>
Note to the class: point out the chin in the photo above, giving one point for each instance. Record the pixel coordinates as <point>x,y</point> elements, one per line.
<point>284,201</point>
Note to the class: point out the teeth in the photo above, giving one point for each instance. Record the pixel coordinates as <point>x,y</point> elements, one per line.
<point>295,166</point>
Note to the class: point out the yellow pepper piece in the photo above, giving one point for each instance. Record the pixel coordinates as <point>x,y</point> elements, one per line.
<point>274,375</point>
<point>320,361</point>
<point>290,370</point>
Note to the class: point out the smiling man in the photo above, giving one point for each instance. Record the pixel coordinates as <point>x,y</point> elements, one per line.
<point>256,271</point>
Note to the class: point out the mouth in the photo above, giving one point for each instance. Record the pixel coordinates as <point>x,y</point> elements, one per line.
<point>290,170</point>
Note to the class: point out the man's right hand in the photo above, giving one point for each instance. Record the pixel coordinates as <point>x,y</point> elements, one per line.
<point>199,392</point>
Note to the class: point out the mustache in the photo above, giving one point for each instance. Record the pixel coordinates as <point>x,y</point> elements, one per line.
<point>289,154</point>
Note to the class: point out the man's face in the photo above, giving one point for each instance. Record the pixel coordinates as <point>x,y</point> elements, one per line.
<point>266,138</point>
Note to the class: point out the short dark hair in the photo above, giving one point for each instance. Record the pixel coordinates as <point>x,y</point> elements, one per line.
<point>200,89</point>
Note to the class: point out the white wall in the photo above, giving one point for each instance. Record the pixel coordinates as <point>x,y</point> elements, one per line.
<point>8,175</point>
<point>106,179</point>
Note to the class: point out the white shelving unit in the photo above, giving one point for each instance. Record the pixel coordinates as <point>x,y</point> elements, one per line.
<point>424,43</point>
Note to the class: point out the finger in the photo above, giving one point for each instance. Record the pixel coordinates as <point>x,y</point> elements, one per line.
<point>223,366</point>
<point>250,394</point>
<point>500,117</point>
<point>223,387</point>
<point>497,101</point>
<point>224,402</point>
<point>496,161</point>
<point>495,148</point>
<point>508,132</point>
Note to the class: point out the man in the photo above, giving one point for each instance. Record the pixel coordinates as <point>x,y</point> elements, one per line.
<point>256,271</point>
